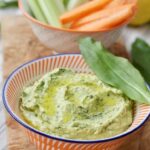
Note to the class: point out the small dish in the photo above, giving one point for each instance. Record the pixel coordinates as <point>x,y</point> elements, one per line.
<point>65,40</point>
<point>31,71</point>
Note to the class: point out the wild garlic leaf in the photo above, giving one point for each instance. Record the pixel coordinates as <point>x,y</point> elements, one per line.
<point>115,71</point>
<point>141,57</point>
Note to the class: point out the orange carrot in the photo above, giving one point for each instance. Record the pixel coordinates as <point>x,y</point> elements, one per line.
<point>115,3</point>
<point>107,22</point>
<point>120,2</point>
<point>98,15</point>
<point>131,1</point>
<point>83,10</point>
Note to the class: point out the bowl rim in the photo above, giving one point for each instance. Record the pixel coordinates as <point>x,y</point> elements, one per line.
<point>35,21</point>
<point>27,126</point>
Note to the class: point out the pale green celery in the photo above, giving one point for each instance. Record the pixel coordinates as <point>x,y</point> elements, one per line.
<point>51,12</point>
<point>74,3</point>
<point>27,7</point>
<point>36,10</point>
<point>60,5</point>
<point>65,2</point>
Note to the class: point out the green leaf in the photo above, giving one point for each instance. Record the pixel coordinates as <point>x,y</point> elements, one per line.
<point>141,58</point>
<point>115,71</point>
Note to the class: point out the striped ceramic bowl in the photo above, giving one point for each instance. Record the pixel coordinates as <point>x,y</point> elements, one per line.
<point>65,40</point>
<point>31,71</point>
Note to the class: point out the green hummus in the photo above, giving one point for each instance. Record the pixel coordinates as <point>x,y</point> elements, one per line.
<point>75,106</point>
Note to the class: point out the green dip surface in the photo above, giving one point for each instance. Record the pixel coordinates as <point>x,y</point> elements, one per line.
<point>75,106</point>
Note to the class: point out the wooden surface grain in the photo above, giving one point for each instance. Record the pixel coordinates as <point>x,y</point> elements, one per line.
<point>20,45</point>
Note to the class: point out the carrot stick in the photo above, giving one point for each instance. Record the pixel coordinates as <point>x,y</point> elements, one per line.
<point>107,22</point>
<point>131,1</point>
<point>98,15</point>
<point>83,10</point>
<point>115,3</point>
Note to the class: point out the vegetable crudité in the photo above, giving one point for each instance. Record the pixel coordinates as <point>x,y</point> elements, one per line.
<point>83,15</point>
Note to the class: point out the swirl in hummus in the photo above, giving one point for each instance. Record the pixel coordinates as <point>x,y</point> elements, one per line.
<point>75,106</point>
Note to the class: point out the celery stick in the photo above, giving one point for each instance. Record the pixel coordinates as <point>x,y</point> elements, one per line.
<point>51,12</point>
<point>74,3</point>
<point>65,2</point>
<point>27,7</point>
<point>60,5</point>
<point>34,5</point>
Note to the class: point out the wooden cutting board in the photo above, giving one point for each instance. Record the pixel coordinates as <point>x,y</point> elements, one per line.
<point>20,45</point>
